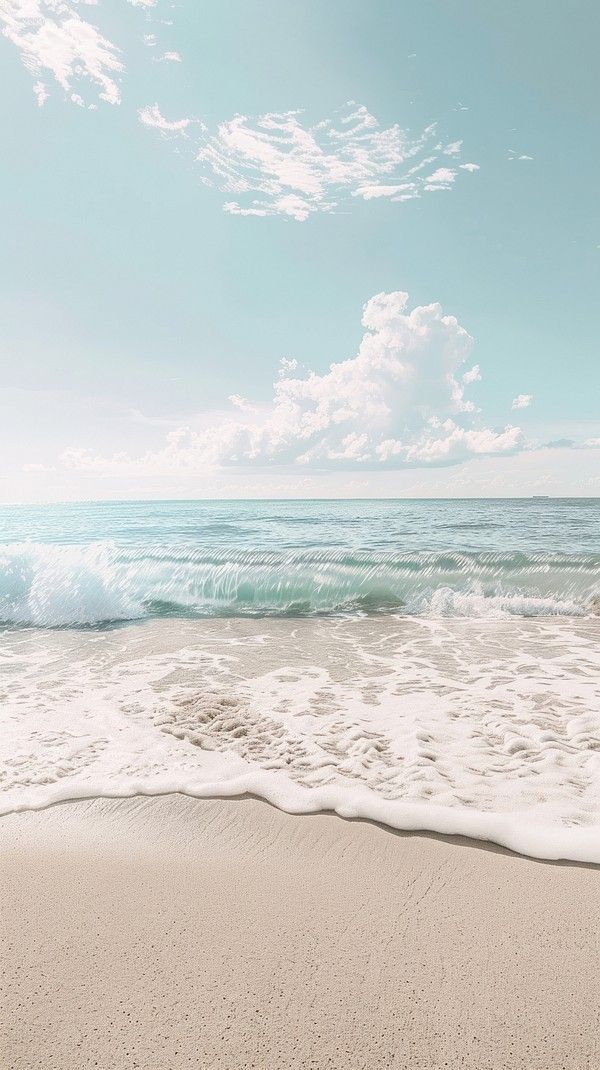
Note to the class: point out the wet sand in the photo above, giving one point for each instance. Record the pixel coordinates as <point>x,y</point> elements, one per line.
<point>168,933</point>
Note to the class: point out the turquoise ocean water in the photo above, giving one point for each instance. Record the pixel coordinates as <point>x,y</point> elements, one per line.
<point>87,564</point>
<point>425,664</point>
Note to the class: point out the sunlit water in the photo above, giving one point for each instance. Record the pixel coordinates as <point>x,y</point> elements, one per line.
<point>89,564</point>
<point>430,665</point>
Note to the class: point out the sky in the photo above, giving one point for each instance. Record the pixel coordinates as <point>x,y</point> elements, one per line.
<point>262,248</point>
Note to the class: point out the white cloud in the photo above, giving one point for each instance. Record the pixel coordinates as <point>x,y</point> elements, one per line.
<point>277,164</point>
<point>369,191</point>
<point>440,179</point>
<point>151,116</point>
<point>53,39</point>
<point>36,467</point>
<point>522,401</point>
<point>169,57</point>
<point>473,375</point>
<point>286,366</point>
<point>399,402</point>
<point>41,93</point>
<point>469,167</point>
<point>241,403</point>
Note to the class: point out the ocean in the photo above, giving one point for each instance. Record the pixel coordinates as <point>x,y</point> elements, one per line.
<point>431,665</point>
<point>109,562</point>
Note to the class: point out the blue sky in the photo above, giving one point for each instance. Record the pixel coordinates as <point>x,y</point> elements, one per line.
<point>137,302</point>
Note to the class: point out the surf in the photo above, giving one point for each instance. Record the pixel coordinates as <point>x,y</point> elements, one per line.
<point>49,585</point>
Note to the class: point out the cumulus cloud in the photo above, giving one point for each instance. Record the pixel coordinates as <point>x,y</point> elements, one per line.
<point>522,401</point>
<point>55,41</point>
<point>473,375</point>
<point>41,93</point>
<point>278,164</point>
<point>287,364</point>
<point>241,403</point>
<point>401,401</point>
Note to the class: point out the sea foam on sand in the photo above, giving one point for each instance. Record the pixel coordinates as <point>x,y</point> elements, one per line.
<point>490,729</point>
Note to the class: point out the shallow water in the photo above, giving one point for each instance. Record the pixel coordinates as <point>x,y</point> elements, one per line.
<point>427,664</point>
<point>489,728</point>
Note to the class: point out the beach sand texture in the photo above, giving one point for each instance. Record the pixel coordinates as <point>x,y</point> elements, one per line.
<point>170,932</point>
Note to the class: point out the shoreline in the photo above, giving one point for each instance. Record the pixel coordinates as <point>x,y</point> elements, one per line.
<point>489,733</point>
<point>457,838</point>
<point>167,932</point>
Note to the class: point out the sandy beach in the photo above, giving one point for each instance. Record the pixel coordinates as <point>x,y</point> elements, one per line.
<point>163,933</point>
<point>299,535</point>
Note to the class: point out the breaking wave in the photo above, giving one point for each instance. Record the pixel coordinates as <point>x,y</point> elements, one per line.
<point>49,585</point>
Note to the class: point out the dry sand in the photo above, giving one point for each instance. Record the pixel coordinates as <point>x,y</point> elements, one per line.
<point>169,932</point>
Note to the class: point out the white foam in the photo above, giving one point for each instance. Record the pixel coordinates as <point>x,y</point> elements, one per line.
<point>488,729</point>
<point>446,602</point>
<point>51,585</point>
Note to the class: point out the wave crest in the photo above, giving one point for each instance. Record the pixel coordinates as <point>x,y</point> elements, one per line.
<point>52,586</point>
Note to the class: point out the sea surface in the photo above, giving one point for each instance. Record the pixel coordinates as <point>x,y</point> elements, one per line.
<point>103,563</point>
<point>427,664</point>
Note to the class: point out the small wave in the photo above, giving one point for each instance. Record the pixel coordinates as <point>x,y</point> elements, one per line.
<point>446,602</point>
<point>49,585</point>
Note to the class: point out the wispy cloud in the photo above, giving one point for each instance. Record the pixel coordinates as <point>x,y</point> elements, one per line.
<point>59,42</point>
<point>169,57</point>
<point>151,116</point>
<point>400,402</point>
<point>522,401</point>
<point>443,178</point>
<point>56,42</point>
<point>277,164</point>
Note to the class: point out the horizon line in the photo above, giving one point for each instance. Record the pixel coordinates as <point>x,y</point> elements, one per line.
<point>379,498</point>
